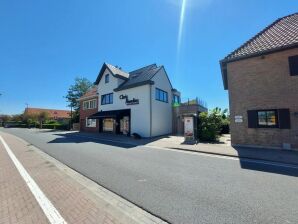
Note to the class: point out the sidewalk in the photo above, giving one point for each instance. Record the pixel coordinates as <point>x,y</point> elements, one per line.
<point>274,155</point>
<point>76,198</point>
<point>223,148</point>
<point>176,142</point>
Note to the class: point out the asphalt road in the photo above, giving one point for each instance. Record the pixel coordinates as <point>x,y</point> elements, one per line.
<point>176,186</point>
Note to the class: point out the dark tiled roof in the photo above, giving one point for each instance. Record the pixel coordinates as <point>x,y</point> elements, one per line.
<point>140,77</point>
<point>278,35</point>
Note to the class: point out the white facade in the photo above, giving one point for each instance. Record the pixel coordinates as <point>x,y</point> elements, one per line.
<point>149,117</point>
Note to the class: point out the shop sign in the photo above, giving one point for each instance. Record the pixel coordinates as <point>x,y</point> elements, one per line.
<point>127,101</point>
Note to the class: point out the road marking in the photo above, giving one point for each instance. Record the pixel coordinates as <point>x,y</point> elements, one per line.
<point>48,208</point>
<point>228,157</point>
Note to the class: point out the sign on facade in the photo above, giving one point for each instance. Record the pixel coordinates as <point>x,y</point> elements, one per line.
<point>238,119</point>
<point>127,101</point>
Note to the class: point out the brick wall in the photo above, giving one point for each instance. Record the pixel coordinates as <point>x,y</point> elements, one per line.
<point>263,83</point>
<point>86,113</point>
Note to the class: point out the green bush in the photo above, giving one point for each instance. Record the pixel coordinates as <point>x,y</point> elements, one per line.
<point>55,126</point>
<point>209,127</point>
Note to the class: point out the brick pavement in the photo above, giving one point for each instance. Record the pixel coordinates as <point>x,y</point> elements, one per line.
<point>75,202</point>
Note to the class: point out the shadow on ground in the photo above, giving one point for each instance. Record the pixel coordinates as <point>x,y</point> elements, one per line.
<point>270,160</point>
<point>102,138</point>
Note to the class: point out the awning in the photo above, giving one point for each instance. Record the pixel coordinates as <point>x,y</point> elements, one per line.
<point>110,113</point>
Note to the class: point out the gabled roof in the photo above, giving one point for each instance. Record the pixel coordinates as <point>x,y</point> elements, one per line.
<point>52,113</point>
<point>90,93</point>
<point>140,77</point>
<point>280,35</point>
<point>117,72</point>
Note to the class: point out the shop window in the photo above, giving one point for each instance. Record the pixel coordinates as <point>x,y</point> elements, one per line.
<point>161,95</point>
<point>90,123</point>
<point>107,99</point>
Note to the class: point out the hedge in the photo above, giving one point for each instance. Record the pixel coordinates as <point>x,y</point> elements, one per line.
<point>55,126</point>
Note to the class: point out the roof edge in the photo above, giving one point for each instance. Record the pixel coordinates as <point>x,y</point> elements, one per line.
<point>134,85</point>
<point>224,62</point>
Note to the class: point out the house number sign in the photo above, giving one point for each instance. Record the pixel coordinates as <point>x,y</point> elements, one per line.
<point>127,101</point>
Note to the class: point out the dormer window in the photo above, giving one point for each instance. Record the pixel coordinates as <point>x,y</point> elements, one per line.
<point>107,78</point>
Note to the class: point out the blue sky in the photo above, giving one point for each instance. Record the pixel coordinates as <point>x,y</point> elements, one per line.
<point>44,45</point>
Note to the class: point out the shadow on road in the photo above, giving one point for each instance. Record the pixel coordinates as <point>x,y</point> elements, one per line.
<point>269,160</point>
<point>75,138</point>
<point>102,138</point>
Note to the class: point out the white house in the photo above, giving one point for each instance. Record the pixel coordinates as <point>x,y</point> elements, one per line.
<point>135,102</point>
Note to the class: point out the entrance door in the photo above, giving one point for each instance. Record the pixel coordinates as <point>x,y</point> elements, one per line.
<point>124,125</point>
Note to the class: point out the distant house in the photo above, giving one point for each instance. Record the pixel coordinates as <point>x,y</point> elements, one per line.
<point>88,107</point>
<point>262,79</point>
<point>59,115</point>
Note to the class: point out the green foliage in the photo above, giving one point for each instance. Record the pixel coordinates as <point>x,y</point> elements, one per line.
<point>211,125</point>
<point>75,91</point>
<point>55,126</point>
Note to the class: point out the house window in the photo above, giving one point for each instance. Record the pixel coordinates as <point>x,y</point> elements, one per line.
<point>176,99</point>
<point>107,78</point>
<point>275,118</point>
<point>161,95</point>
<point>90,104</point>
<point>107,99</point>
<point>293,63</point>
<point>267,118</point>
<point>90,123</point>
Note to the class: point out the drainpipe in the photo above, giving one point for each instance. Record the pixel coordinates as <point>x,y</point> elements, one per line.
<point>150,110</point>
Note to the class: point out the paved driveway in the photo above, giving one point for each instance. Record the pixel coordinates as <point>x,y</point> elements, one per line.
<point>177,186</point>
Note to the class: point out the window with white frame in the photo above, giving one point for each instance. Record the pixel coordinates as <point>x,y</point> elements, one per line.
<point>90,104</point>
<point>90,123</point>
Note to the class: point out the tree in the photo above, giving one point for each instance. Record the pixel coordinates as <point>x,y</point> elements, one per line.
<point>75,91</point>
<point>30,118</point>
<point>42,116</point>
<point>211,125</point>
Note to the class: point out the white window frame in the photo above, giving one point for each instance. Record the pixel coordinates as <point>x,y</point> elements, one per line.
<point>90,123</point>
<point>89,104</point>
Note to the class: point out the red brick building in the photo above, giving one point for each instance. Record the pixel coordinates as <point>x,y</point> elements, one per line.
<point>88,107</point>
<point>262,79</point>
<point>53,114</point>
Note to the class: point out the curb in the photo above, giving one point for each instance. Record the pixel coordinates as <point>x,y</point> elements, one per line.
<point>120,207</point>
<point>234,156</point>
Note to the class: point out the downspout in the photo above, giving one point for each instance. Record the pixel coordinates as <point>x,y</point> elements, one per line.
<point>150,110</point>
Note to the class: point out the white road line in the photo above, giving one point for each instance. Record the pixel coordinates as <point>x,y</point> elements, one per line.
<point>228,157</point>
<point>48,208</point>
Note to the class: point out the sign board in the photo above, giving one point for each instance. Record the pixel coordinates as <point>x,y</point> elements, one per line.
<point>188,127</point>
<point>129,102</point>
<point>238,119</point>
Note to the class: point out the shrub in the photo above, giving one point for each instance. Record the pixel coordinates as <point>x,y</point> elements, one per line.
<point>55,126</point>
<point>209,126</point>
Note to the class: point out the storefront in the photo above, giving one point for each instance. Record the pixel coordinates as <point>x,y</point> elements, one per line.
<point>137,102</point>
<point>115,121</point>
